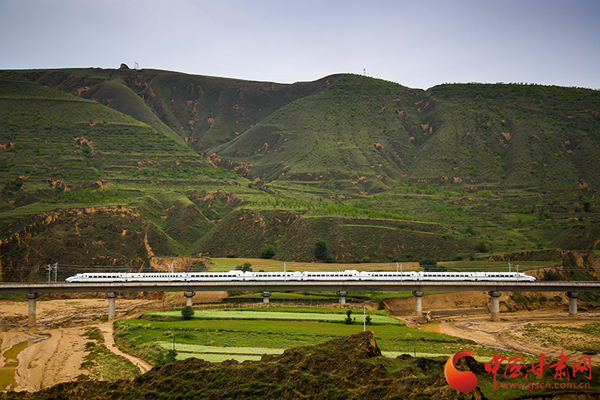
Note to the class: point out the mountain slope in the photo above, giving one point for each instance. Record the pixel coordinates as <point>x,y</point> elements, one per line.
<point>220,166</point>
<point>359,129</point>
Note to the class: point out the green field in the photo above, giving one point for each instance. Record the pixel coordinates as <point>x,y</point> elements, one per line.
<point>249,334</point>
<point>266,315</point>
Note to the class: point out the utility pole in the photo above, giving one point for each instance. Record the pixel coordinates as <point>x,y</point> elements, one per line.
<point>50,268</point>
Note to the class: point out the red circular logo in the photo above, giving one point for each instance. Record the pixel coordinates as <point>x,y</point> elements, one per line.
<point>463,381</point>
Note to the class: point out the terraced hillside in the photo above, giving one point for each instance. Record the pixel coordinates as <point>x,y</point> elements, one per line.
<point>189,165</point>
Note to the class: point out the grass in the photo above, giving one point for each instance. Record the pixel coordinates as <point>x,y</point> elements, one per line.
<point>310,310</point>
<point>266,315</point>
<point>584,339</point>
<point>102,363</point>
<point>221,335</point>
<point>226,264</point>
<point>221,353</point>
<point>190,348</point>
<point>218,358</point>
<point>498,266</point>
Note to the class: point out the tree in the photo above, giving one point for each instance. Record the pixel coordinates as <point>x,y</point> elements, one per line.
<point>348,320</point>
<point>482,247</point>
<point>245,267</point>
<point>552,276</point>
<point>163,359</point>
<point>187,312</point>
<point>321,250</point>
<point>587,206</point>
<point>268,251</point>
<point>368,320</point>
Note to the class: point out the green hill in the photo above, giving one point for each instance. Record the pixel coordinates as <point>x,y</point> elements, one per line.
<point>217,166</point>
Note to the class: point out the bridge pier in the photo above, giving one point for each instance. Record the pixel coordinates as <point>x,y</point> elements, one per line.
<point>266,295</point>
<point>342,295</point>
<point>112,309</point>
<point>189,296</point>
<point>495,306</point>
<point>32,297</point>
<point>418,302</point>
<point>573,296</point>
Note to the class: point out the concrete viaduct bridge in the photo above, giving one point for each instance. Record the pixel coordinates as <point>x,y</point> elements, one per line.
<point>494,289</point>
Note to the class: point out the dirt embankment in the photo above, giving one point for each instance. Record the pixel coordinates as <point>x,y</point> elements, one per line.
<point>62,324</point>
<point>466,315</point>
<point>469,301</point>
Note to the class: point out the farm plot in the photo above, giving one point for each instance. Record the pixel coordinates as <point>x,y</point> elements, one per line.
<point>246,335</point>
<point>266,315</point>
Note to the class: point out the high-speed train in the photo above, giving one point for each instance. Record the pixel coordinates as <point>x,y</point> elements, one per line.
<point>347,275</point>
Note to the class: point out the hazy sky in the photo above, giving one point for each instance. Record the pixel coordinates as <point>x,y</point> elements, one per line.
<point>417,43</point>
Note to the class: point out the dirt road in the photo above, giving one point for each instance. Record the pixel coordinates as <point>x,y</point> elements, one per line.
<point>62,324</point>
<point>107,331</point>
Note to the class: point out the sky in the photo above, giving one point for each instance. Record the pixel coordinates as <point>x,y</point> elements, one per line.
<point>416,43</point>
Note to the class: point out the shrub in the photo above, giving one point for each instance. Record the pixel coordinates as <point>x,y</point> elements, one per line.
<point>348,320</point>
<point>482,247</point>
<point>267,251</point>
<point>163,359</point>
<point>245,267</point>
<point>587,206</point>
<point>552,276</point>
<point>321,250</point>
<point>187,312</point>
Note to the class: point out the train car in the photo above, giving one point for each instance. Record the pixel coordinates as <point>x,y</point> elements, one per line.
<point>97,277</point>
<point>233,275</point>
<point>450,276</point>
<point>273,276</point>
<point>476,276</point>
<point>347,275</point>
<point>506,276</point>
<point>388,276</point>
<point>157,277</point>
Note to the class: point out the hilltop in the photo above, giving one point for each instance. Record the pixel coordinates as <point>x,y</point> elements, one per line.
<point>180,163</point>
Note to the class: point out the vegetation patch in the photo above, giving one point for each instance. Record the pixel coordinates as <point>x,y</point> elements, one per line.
<point>347,367</point>
<point>103,364</point>
<point>278,315</point>
<point>584,338</point>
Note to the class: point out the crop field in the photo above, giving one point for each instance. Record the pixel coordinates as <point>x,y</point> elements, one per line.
<point>266,315</point>
<point>246,335</point>
<point>221,353</point>
<point>258,264</point>
<point>469,266</point>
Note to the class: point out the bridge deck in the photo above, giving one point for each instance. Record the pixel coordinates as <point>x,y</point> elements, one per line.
<point>394,286</point>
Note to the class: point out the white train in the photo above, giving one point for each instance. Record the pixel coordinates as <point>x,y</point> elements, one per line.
<point>347,275</point>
